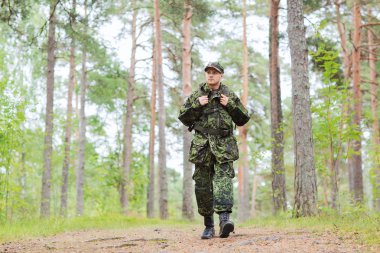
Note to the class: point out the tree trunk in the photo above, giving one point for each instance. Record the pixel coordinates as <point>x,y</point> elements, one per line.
<point>82,127</point>
<point>163,184</point>
<point>48,141</point>
<point>151,192</point>
<point>278,169</point>
<point>127,151</point>
<point>356,143</point>
<point>67,141</point>
<point>375,117</point>
<point>305,182</point>
<point>187,199</point>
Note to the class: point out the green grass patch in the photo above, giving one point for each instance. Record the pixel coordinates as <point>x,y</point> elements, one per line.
<point>22,229</point>
<point>362,227</point>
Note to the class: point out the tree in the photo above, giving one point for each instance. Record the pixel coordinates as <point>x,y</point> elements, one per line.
<point>82,125</point>
<point>356,143</point>
<point>187,201</point>
<point>278,169</point>
<point>163,184</point>
<point>68,125</point>
<point>127,151</point>
<point>305,202</point>
<point>243,208</point>
<point>48,141</point>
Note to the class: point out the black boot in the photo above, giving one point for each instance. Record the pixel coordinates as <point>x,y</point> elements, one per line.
<point>209,231</point>
<point>226,226</point>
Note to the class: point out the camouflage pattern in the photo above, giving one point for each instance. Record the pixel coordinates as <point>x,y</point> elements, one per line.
<point>213,154</point>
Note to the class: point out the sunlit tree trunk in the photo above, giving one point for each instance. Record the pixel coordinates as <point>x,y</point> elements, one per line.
<point>151,191</point>
<point>356,143</point>
<point>375,117</point>
<point>68,127</point>
<point>187,200</point>
<point>48,141</point>
<point>127,150</point>
<point>82,127</point>
<point>278,169</point>
<point>163,184</point>
<point>305,181</point>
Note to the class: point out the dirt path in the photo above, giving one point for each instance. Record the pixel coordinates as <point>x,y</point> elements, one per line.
<point>179,239</point>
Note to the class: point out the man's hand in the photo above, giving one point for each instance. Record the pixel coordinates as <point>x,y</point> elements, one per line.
<point>203,100</point>
<point>223,99</point>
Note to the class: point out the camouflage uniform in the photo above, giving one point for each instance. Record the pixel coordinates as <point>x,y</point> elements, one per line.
<point>213,148</point>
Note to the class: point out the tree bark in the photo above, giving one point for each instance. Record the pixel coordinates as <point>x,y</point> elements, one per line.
<point>305,202</point>
<point>356,143</point>
<point>375,117</point>
<point>127,151</point>
<point>82,127</point>
<point>68,125</point>
<point>163,184</point>
<point>151,191</point>
<point>187,200</point>
<point>278,168</point>
<point>243,165</point>
<point>48,140</point>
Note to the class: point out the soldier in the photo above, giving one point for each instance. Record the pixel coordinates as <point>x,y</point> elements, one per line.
<point>212,110</point>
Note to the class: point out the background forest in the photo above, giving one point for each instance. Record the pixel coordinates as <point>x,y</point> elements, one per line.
<point>90,93</point>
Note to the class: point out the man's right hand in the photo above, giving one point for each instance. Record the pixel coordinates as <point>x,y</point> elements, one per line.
<point>203,100</point>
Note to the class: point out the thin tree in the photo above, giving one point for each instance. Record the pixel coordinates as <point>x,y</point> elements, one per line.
<point>151,191</point>
<point>305,182</point>
<point>82,125</point>
<point>278,169</point>
<point>243,166</point>
<point>68,125</point>
<point>127,150</point>
<point>375,117</point>
<point>356,143</point>
<point>187,200</point>
<point>48,140</point>
<point>163,184</point>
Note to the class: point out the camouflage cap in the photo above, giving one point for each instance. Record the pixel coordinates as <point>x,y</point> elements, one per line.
<point>216,66</point>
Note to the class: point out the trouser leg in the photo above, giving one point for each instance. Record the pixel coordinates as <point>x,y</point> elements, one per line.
<point>203,175</point>
<point>223,188</point>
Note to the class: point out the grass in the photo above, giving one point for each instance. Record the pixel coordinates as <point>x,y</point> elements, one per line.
<point>363,228</point>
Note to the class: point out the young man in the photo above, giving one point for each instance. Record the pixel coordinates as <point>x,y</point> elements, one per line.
<point>212,110</point>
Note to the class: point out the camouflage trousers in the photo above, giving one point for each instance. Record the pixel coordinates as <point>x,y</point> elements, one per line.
<point>213,185</point>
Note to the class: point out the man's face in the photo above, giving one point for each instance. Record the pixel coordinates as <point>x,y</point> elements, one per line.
<point>213,77</point>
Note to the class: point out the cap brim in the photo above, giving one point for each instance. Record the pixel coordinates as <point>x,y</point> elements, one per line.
<point>211,67</point>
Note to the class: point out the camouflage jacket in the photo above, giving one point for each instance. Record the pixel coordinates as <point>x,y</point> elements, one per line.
<point>216,117</point>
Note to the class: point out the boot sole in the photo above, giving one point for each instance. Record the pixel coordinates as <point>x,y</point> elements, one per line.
<point>226,230</point>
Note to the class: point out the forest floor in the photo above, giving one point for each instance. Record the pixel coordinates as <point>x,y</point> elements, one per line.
<point>157,238</point>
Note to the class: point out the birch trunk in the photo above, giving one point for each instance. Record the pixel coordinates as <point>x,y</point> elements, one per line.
<point>48,140</point>
<point>163,184</point>
<point>305,182</point>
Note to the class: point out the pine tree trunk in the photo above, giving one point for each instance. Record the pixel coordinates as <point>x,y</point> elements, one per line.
<point>67,141</point>
<point>82,128</point>
<point>356,143</point>
<point>187,199</point>
<point>48,141</point>
<point>375,117</point>
<point>127,151</point>
<point>305,203</point>
<point>163,184</point>
<point>151,191</point>
<point>278,169</point>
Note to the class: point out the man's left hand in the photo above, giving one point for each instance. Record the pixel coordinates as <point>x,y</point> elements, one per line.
<point>223,99</point>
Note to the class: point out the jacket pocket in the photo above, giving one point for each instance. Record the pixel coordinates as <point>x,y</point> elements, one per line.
<point>226,150</point>
<point>198,151</point>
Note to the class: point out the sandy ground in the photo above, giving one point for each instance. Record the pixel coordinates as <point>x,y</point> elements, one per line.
<point>187,239</point>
